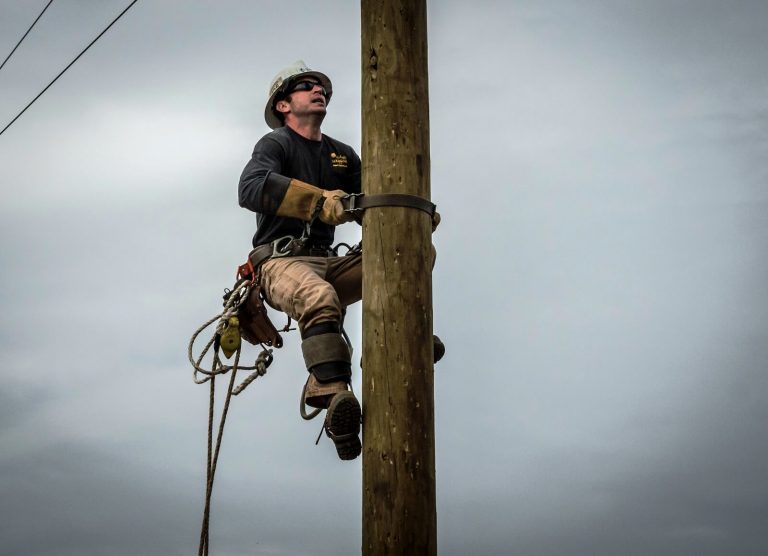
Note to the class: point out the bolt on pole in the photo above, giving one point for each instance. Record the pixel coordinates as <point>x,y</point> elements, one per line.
<point>399,515</point>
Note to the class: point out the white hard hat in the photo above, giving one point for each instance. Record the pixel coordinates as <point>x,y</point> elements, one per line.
<point>282,80</point>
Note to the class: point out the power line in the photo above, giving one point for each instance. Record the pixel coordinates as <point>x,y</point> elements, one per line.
<point>68,66</point>
<point>25,34</point>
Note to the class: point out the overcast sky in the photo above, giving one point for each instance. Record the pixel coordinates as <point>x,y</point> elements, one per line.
<point>602,283</point>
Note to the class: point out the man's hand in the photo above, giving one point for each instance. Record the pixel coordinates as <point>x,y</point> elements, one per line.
<point>302,201</point>
<point>333,210</point>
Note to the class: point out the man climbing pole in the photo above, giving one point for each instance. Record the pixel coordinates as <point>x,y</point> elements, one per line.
<point>301,184</point>
<point>294,183</point>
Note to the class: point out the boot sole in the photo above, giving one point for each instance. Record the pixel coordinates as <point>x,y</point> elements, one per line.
<point>342,425</point>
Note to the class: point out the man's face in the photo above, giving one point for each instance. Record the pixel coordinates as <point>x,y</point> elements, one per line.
<point>305,96</point>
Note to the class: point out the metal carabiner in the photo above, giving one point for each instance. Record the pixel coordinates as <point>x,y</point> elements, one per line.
<point>285,249</point>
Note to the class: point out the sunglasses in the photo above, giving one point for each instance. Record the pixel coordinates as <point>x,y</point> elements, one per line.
<point>306,86</point>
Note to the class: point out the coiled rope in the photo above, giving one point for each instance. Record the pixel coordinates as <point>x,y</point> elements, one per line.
<point>233,300</point>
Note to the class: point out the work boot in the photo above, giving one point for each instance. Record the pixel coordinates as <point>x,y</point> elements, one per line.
<point>438,348</point>
<point>342,425</point>
<point>318,394</point>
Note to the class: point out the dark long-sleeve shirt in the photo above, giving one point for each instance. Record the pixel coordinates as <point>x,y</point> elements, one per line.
<point>283,155</point>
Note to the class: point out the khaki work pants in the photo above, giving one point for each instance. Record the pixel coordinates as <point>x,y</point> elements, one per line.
<point>312,290</point>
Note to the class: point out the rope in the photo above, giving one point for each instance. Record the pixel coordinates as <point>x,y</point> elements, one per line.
<point>234,298</point>
<point>204,539</point>
<point>208,479</point>
<point>232,301</point>
<point>262,362</point>
<point>303,408</point>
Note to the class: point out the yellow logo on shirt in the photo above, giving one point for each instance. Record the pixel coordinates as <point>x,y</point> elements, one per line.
<point>338,160</point>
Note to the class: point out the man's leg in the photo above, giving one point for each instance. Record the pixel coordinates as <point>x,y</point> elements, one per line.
<point>327,358</point>
<point>297,286</point>
<point>346,276</point>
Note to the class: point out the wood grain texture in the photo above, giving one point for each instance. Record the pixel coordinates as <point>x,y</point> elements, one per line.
<point>398,383</point>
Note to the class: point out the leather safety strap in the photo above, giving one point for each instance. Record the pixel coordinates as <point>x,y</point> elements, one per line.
<point>357,203</point>
<point>260,254</point>
<point>248,270</point>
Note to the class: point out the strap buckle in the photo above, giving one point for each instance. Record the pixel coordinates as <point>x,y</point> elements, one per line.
<point>349,202</point>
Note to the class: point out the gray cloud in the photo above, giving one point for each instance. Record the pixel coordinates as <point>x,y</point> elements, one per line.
<point>600,284</point>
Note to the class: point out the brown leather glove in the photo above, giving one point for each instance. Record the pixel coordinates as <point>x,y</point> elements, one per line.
<point>302,200</point>
<point>333,210</point>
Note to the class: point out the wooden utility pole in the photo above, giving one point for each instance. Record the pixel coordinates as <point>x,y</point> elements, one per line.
<point>398,384</point>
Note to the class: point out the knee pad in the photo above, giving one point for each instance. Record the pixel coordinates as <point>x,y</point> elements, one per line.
<point>327,356</point>
<point>331,327</point>
<point>332,372</point>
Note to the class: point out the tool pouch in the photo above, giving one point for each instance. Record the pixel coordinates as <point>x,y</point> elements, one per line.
<point>255,326</point>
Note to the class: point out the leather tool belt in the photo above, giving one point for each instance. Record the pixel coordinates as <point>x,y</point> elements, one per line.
<point>286,247</point>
